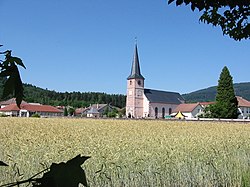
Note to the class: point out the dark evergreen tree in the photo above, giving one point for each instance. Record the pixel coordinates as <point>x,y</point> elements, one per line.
<point>226,105</point>
<point>65,112</point>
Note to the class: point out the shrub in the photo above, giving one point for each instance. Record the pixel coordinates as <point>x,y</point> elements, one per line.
<point>35,116</point>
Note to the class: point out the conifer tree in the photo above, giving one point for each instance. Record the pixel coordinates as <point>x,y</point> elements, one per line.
<point>65,112</point>
<point>226,105</point>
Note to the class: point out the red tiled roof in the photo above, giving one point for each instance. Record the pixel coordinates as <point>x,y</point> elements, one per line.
<point>32,108</point>
<point>11,107</point>
<point>11,101</point>
<point>186,107</point>
<point>80,110</point>
<point>243,102</point>
<point>207,103</point>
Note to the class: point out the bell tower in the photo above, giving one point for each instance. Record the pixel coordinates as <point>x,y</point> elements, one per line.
<point>135,89</point>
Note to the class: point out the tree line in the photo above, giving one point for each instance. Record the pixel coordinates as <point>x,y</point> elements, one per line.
<point>35,94</point>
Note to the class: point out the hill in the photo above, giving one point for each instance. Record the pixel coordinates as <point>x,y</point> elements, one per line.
<point>35,94</point>
<point>208,94</point>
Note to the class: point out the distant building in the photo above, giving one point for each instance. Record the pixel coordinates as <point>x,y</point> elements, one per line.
<point>243,108</point>
<point>95,110</point>
<point>93,113</point>
<point>81,112</point>
<point>189,110</point>
<point>150,103</point>
<point>28,109</point>
<point>10,101</point>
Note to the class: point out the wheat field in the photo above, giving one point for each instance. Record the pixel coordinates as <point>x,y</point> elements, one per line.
<point>129,153</point>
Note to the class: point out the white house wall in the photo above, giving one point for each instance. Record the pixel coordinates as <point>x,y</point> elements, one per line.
<point>10,113</point>
<point>244,112</point>
<point>197,110</point>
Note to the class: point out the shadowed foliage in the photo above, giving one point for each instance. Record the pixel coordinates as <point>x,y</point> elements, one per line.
<point>13,83</point>
<point>232,16</point>
<point>59,175</point>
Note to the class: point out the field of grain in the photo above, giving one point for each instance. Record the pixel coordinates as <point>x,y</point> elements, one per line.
<point>129,152</point>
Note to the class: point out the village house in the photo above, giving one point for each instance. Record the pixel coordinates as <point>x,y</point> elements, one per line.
<point>28,109</point>
<point>243,108</point>
<point>147,103</point>
<point>188,110</point>
<point>10,101</point>
<point>94,110</point>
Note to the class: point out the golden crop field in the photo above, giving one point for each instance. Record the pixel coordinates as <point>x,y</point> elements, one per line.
<point>130,153</point>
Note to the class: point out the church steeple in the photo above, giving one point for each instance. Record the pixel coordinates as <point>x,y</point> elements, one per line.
<point>135,70</point>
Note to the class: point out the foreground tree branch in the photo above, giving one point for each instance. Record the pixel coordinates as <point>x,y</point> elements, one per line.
<point>232,16</point>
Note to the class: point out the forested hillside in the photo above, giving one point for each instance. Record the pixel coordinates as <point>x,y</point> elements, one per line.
<point>208,94</point>
<point>84,99</point>
<point>75,99</point>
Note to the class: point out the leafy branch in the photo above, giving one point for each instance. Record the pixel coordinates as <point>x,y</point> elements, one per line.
<point>13,83</point>
<point>232,16</point>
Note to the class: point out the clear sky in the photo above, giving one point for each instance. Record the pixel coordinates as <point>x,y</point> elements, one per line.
<point>88,45</point>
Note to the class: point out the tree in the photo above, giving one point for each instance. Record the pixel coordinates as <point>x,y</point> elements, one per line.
<point>231,15</point>
<point>71,111</point>
<point>226,105</point>
<point>65,111</point>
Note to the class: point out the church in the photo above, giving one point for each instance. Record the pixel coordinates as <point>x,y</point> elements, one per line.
<point>147,103</point>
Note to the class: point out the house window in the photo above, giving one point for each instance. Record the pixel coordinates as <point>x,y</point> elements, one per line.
<point>163,112</point>
<point>170,111</point>
<point>156,112</point>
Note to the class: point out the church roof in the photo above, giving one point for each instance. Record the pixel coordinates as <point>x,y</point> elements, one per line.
<point>157,96</point>
<point>135,70</point>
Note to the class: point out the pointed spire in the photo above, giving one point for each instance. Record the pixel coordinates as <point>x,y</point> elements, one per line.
<point>135,70</point>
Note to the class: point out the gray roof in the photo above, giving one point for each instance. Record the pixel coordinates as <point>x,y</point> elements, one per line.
<point>98,106</point>
<point>93,111</point>
<point>157,96</point>
<point>135,70</point>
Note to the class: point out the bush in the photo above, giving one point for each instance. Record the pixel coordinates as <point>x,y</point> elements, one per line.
<point>3,115</point>
<point>35,116</point>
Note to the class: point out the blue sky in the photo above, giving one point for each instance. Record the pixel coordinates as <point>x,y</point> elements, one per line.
<point>88,45</point>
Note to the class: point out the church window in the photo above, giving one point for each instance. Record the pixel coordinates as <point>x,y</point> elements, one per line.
<point>170,110</point>
<point>156,112</point>
<point>139,82</point>
<point>130,82</point>
<point>163,112</point>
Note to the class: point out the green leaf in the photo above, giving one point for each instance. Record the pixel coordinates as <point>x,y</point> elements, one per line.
<point>193,7</point>
<point>9,86</point>
<point>14,85</point>
<point>179,2</point>
<point>18,61</point>
<point>170,1</point>
<point>18,89</point>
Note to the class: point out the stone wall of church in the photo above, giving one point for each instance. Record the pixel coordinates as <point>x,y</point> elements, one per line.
<point>160,110</point>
